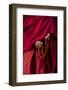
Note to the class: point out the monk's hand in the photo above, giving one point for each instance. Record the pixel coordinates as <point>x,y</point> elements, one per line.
<point>47,36</point>
<point>38,44</point>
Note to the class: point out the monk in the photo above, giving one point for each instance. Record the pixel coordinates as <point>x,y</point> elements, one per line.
<point>40,44</point>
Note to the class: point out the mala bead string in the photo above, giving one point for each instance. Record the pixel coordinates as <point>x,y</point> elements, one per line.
<point>43,50</point>
<point>43,55</point>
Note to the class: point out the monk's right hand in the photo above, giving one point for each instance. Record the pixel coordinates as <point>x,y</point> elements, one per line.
<point>38,44</point>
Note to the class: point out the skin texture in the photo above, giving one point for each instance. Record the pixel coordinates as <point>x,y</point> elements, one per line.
<point>38,44</point>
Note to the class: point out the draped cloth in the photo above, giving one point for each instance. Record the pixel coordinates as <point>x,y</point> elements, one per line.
<point>35,28</point>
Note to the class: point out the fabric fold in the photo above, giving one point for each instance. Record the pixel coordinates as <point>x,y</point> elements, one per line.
<point>35,28</point>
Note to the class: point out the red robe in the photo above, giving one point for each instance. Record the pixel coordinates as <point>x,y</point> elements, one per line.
<point>35,28</point>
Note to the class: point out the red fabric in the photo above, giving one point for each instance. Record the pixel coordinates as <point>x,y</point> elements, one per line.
<point>27,59</point>
<point>36,28</point>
